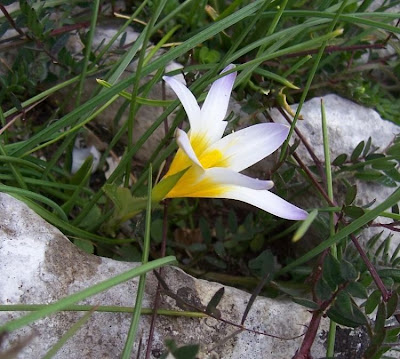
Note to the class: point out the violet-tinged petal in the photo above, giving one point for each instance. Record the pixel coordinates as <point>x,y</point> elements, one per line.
<point>227,176</point>
<point>266,201</point>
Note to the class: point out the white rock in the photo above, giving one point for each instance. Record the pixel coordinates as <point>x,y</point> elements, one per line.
<point>348,124</point>
<point>40,265</point>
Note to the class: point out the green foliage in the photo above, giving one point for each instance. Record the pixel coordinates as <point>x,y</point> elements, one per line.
<point>274,49</point>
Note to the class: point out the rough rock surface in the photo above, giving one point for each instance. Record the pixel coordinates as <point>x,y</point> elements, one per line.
<point>40,265</point>
<point>348,124</point>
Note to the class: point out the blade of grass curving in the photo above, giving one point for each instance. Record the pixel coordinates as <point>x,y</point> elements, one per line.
<point>128,155</point>
<point>69,334</point>
<point>271,29</point>
<point>280,79</point>
<point>71,131</point>
<point>158,63</point>
<point>62,225</point>
<point>45,93</point>
<point>141,100</point>
<point>43,183</point>
<point>134,106</point>
<point>309,81</point>
<point>86,293</point>
<point>246,31</point>
<point>100,308</point>
<point>74,197</point>
<point>88,50</point>
<point>14,170</point>
<point>178,10</point>
<point>332,325</point>
<point>104,50</point>
<point>296,66</point>
<point>346,231</point>
<point>126,354</point>
<point>36,196</point>
<point>158,46</point>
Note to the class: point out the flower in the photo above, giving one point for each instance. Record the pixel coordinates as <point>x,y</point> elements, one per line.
<point>214,162</point>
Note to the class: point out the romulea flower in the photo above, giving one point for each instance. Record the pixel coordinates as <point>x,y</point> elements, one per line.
<point>214,162</point>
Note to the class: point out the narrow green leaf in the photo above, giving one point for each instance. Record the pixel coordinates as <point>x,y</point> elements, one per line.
<point>306,303</point>
<point>304,226</point>
<point>347,271</point>
<point>331,271</point>
<point>353,211</point>
<point>357,290</point>
<point>351,194</point>
<point>214,301</point>
<point>391,305</point>
<point>162,188</point>
<point>372,301</point>
<point>357,152</point>
<point>339,160</point>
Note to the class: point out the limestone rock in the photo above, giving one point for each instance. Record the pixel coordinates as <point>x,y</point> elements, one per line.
<point>348,124</point>
<point>40,265</point>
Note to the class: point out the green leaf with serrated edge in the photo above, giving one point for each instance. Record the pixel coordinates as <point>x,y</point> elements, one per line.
<point>306,303</point>
<point>323,290</point>
<point>372,301</point>
<point>353,211</point>
<point>391,273</point>
<point>391,304</point>
<point>214,301</point>
<point>357,151</point>
<point>351,194</point>
<point>357,290</point>
<point>162,188</point>
<point>305,225</point>
<point>331,271</point>
<point>339,160</point>
<point>347,271</point>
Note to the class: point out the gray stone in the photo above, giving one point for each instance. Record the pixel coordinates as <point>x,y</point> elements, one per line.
<point>348,124</point>
<point>40,265</point>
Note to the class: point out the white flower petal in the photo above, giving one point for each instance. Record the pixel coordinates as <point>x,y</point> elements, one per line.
<point>266,201</point>
<point>183,142</point>
<point>226,176</point>
<point>188,101</point>
<point>215,106</point>
<point>246,147</point>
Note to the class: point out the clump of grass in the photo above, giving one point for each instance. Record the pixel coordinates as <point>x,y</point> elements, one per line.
<point>284,54</point>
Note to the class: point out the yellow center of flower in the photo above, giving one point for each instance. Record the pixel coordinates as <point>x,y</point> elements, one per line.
<point>191,184</point>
